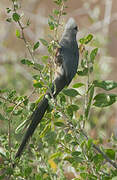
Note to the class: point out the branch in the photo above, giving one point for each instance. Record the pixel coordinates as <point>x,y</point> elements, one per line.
<point>101,152</point>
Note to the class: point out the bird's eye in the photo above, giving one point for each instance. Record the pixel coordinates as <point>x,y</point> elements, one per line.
<point>76,28</point>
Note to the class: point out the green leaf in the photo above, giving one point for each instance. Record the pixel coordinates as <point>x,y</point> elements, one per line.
<point>36,45</point>
<point>77,85</point>
<point>45,130</point>
<point>110,153</point>
<point>59,124</point>
<point>56,11</point>
<point>68,138</point>
<point>62,99</point>
<point>51,24</point>
<point>16,17</point>
<point>90,100</point>
<point>10,109</point>
<point>86,39</point>
<point>103,100</point>
<point>72,108</point>
<point>58,2</point>
<point>76,153</point>
<point>106,85</point>
<point>84,72</point>
<point>17,33</point>
<point>44,42</point>
<point>71,92</point>
<point>37,77</point>
<point>93,54</point>
<point>69,111</point>
<point>27,62</point>
<point>37,85</point>
<point>55,155</point>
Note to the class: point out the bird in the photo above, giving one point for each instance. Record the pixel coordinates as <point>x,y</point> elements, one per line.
<point>67,58</point>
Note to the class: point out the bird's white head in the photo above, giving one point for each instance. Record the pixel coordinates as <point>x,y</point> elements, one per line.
<point>70,30</point>
<point>71,26</point>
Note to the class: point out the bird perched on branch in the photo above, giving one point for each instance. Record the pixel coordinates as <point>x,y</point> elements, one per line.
<point>67,58</point>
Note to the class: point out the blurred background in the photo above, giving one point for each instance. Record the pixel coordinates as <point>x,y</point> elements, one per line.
<point>92,16</point>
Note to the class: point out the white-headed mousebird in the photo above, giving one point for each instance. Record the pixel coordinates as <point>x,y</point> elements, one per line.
<point>67,63</point>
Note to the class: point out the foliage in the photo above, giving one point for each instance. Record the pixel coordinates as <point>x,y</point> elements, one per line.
<point>60,139</point>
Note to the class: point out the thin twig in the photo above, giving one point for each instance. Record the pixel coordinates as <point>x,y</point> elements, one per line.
<point>101,152</point>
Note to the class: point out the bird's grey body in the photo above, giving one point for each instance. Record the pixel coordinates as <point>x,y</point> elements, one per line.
<point>68,57</point>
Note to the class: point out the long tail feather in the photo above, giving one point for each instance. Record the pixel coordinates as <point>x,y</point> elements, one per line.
<point>35,119</point>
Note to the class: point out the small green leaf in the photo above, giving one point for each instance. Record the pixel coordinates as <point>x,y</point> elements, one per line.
<point>106,85</point>
<point>17,33</point>
<point>76,153</point>
<point>16,17</point>
<point>72,108</point>
<point>37,85</point>
<point>55,155</point>
<point>56,11</point>
<point>103,100</point>
<point>62,99</point>
<point>71,92</point>
<point>27,62</point>
<point>36,77</point>
<point>51,24</point>
<point>58,2</point>
<point>69,112</point>
<point>36,46</point>
<point>59,124</point>
<point>77,85</point>
<point>45,130</point>
<point>110,153</point>
<point>68,138</point>
<point>88,38</point>
<point>10,109</point>
<point>44,42</point>
<point>84,72</point>
<point>93,54</point>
